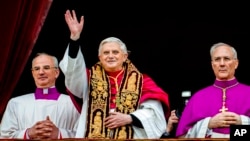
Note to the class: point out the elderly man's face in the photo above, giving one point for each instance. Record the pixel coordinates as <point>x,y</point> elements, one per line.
<point>223,63</point>
<point>44,71</point>
<point>112,57</point>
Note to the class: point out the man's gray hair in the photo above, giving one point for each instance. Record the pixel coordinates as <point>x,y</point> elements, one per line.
<point>113,39</point>
<point>223,44</point>
<point>53,57</point>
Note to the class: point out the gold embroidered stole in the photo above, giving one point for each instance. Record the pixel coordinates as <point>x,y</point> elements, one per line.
<point>127,101</point>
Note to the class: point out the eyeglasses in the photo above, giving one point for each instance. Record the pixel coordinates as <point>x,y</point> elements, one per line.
<point>45,68</point>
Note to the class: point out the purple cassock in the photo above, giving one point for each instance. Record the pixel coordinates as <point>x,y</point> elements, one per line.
<point>207,102</point>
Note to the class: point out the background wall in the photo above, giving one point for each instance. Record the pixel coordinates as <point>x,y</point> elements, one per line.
<point>170,42</point>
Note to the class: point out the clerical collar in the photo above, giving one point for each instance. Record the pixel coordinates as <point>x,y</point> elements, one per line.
<point>225,84</point>
<point>47,93</point>
<point>115,74</point>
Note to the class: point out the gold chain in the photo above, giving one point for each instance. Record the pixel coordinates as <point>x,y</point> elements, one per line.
<point>115,79</point>
<point>224,97</point>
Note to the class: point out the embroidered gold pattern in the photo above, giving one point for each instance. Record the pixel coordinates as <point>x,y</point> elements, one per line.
<point>127,101</point>
<point>122,133</point>
<point>96,126</point>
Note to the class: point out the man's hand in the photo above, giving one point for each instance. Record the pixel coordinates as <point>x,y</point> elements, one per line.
<point>173,119</point>
<point>75,27</point>
<point>116,119</point>
<point>43,130</point>
<point>224,119</point>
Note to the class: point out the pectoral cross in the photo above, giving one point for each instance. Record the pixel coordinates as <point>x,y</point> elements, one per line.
<point>223,109</point>
<point>224,96</point>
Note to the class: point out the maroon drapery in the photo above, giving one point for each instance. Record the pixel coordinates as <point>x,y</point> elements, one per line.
<point>20,25</point>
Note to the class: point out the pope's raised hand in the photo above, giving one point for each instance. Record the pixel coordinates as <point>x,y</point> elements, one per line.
<point>74,25</point>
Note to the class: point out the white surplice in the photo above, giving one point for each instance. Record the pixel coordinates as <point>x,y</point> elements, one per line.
<point>150,113</point>
<point>24,111</point>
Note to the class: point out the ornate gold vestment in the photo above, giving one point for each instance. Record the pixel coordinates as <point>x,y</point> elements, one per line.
<point>127,101</point>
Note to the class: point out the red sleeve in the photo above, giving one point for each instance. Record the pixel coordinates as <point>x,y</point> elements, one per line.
<point>25,135</point>
<point>60,135</point>
<point>150,90</point>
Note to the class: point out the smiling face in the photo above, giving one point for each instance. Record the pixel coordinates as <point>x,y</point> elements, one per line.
<point>44,71</point>
<point>111,56</point>
<point>224,62</point>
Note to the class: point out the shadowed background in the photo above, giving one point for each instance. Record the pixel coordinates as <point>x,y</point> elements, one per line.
<point>170,42</point>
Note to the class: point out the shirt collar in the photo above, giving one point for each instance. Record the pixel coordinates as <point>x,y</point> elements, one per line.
<point>225,84</point>
<point>47,93</point>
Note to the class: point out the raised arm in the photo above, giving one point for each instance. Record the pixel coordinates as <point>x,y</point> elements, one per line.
<point>74,25</point>
<point>73,63</point>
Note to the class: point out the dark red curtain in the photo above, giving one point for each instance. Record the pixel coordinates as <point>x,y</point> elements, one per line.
<point>20,25</point>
